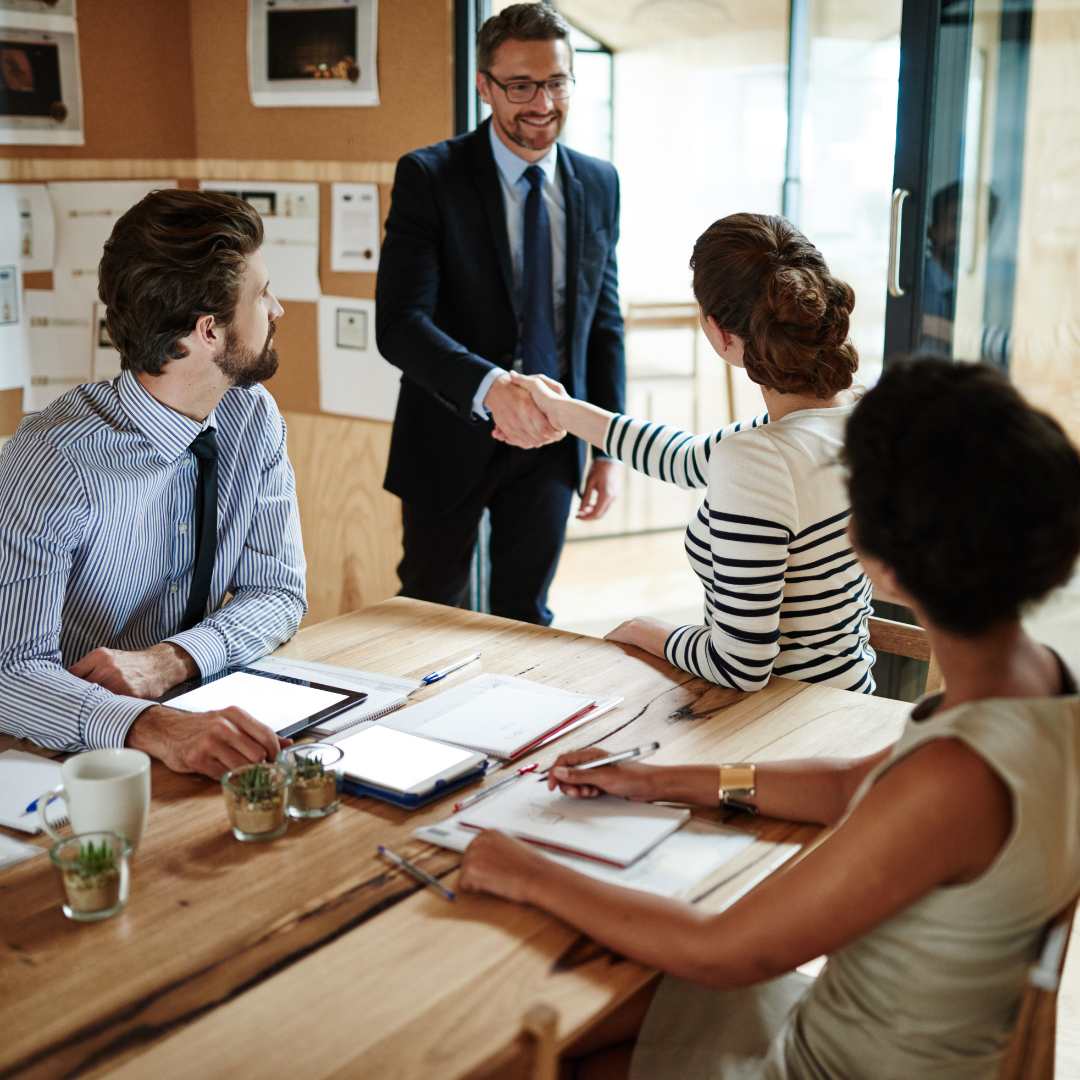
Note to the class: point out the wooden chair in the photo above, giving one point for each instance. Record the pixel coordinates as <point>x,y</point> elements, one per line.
<point>903,639</point>
<point>533,1054</point>
<point>1030,1053</point>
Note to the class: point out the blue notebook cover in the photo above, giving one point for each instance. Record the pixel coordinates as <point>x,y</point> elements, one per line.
<point>412,802</point>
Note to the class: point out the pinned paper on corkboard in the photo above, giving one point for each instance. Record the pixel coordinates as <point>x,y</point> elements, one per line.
<point>312,52</point>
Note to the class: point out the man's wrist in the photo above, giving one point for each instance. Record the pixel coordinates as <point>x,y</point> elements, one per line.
<point>176,664</point>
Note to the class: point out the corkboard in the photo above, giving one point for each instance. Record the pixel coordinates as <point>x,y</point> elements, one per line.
<point>415,65</point>
<point>296,385</point>
<point>11,413</point>
<point>135,59</point>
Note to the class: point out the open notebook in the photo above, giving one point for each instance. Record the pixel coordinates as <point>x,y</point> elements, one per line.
<point>612,830</point>
<point>23,777</point>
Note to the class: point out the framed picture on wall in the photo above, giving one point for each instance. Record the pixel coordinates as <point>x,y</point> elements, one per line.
<point>312,52</point>
<point>40,93</point>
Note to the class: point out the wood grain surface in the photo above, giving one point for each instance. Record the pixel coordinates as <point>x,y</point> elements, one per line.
<point>229,951</point>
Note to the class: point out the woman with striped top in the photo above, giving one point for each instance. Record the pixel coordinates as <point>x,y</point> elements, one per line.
<point>784,593</point>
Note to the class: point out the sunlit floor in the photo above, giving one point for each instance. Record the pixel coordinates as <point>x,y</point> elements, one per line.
<point>602,582</point>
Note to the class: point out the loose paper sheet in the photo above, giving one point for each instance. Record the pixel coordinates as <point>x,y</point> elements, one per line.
<point>290,217</point>
<point>313,52</point>
<point>14,345</point>
<point>354,379</point>
<point>59,335</point>
<point>105,358</point>
<point>356,229</point>
<point>37,235</point>
<point>43,103</point>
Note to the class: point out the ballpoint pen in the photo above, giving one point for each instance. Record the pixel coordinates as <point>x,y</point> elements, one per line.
<point>421,875</point>
<point>626,755</point>
<point>514,776</point>
<point>435,676</point>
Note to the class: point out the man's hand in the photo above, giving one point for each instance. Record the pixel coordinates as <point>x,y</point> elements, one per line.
<point>518,421</point>
<point>602,488</point>
<point>210,743</point>
<point>146,674</point>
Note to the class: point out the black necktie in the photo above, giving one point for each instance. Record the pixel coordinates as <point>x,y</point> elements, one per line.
<point>205,449</point>
<point>539,353</point>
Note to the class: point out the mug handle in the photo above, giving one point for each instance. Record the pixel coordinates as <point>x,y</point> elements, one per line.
<point>43,802</point>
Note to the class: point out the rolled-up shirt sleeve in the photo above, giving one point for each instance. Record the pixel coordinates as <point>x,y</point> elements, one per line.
<point>268,595</point>
<point>43,513</point>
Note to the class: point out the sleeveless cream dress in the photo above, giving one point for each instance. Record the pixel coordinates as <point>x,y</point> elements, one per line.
<point>933,992</point>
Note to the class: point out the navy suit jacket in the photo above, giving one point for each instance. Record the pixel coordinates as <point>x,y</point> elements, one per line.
<point>445,313</point>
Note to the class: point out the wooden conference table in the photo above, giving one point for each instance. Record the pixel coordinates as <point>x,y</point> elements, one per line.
<point>308,956</point>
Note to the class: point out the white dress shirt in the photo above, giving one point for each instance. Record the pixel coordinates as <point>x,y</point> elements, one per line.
<point>515,189</point>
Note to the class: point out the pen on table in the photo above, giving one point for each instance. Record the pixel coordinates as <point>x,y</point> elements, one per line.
<point>626,755</point>
<point>435,676</point>
<point>421,875</point>
<point>517,775</point>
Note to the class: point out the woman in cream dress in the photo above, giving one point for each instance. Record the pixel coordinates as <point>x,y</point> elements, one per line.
<point>952,849</point>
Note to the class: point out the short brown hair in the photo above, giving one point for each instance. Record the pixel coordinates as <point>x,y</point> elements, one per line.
<point>172,258</point>
<point>762,280</point>
<point>520,22</point>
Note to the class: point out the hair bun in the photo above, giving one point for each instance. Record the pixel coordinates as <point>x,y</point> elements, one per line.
<point>796,296</point>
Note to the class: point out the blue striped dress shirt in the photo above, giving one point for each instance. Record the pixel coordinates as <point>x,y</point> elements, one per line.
<point>97,548</point>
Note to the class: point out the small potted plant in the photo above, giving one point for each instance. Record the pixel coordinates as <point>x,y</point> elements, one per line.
<point>93,873</point>
<point>317,776</point>
<point>256,798</point>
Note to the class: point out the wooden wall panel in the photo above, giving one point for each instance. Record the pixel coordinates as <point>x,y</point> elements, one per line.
<point>352,528</point>
<point>1046,351</point>
<point>135,59</point>
<point>11,413</point>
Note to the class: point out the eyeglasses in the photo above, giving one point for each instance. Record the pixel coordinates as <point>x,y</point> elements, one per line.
<point>522,91</point>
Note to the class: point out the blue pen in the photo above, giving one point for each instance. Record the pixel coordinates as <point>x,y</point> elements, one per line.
<point>435,676</point>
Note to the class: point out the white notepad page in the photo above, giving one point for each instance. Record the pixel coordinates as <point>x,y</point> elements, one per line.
<point>23,777</point>
<point>612,830</point>
<point>504,720</point>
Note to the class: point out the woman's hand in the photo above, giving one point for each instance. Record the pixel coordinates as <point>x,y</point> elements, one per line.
<point>645,631</point>
<point>497,864</point>
<point>628,780</point>
<point>547,394</point>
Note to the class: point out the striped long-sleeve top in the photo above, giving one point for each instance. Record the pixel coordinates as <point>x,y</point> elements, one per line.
<point>784,593</point>
<point>97,547</point>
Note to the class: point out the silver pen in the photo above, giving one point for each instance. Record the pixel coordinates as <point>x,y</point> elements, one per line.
<point>421,875</point>
<point>435,676</point>
<point>626,755</point>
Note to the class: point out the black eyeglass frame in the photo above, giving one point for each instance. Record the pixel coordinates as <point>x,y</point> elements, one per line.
<point>535,84</point>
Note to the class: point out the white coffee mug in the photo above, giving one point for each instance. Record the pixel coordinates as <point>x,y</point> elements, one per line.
<point>105,791</point>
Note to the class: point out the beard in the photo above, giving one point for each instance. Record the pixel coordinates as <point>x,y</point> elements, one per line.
<point>527,137</point>
<point>245,367</point>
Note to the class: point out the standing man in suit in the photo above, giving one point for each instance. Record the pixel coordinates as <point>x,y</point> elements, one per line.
<point>500,254</point>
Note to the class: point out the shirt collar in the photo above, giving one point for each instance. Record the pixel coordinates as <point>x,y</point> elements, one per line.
<point>513,167</point>
<point>166,430</point>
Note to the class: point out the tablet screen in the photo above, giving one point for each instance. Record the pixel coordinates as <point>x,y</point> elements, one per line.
<point>283,706</point>
<point>402,762</point>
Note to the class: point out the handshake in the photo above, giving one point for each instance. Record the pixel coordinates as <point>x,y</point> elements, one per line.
<point>525,409</point>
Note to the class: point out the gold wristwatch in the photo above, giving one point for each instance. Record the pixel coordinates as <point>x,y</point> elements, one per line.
<point>736,784</point>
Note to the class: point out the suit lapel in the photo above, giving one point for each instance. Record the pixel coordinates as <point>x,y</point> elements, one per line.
<point>574,195</point>
<point>486,176</point>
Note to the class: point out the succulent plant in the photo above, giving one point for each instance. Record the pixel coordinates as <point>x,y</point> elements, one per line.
<point>310,768</point>
<point>94,859</point>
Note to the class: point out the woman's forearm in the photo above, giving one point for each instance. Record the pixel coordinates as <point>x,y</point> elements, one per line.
<point>588,422</point>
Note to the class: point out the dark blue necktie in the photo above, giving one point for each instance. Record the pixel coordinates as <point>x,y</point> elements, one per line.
<point>539,353</point>
<point>205,449</point>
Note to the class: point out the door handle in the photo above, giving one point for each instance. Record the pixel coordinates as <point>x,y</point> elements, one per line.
<point>898,197</point>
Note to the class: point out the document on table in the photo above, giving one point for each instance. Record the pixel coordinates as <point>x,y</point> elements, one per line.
<point>415,716</point>
<point>23,777</point>
<point>612,830</point>
<point>505,721</point>
<point>15,851</point>
<point>672,868</point>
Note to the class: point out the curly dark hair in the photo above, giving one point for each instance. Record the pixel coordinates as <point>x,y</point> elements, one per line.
<point>172,258</point>
<point>968,493</point>
<point>762,280</point>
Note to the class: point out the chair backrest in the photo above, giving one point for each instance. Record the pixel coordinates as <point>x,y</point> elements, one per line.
<point>1030,1053</point>
<point>903,639</point>
<point>533,1054</point>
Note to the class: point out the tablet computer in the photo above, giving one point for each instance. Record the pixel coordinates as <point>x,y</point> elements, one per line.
<point>284,703</point>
